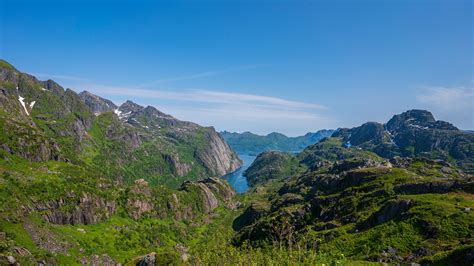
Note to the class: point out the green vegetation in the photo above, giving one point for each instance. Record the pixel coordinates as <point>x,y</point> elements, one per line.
<point>84,187</point>
<point>355,203</point>
<point>6,65</point>
<point>251,144</point>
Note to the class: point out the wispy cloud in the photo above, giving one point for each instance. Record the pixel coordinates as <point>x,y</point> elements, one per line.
<point>255,119</point>
<point>454,104</point>
<point>199,75</point>
<point>59,77</point>
<point>448,98</point>
<point>229,110</point>
<point>205,96</point>
<point>223,109</point>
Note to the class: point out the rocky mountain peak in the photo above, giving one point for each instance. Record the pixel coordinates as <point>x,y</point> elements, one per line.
<point>130,106</point>
<point>417,119</point>
<point>276,135</point>
<point>150,110</point>
<point>51,85</point>
<point>412,133</point>
<point>97,104</point>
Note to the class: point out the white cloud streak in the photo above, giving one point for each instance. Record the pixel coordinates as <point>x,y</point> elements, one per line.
<point>254,119</point>
<point>229,110</point>
<point>59,77</point>
<point>454,104</point>
<point>198,75</point>
<point>448,98</point>
<point>205,96</point>
<point>222,109</point>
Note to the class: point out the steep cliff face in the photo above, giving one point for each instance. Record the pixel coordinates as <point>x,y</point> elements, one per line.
<point>217,157</point>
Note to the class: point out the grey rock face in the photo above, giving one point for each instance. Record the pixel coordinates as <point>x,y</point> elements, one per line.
<point>97,104</point>
<point>414,133</point>
<point>130,106</point>
<point>214,192</point>
<point>217,156</point>
<point>391,210</point>
<point>89,209</point>
<point>415,117</point>
<point>179,169</point>
<point>139,201</point>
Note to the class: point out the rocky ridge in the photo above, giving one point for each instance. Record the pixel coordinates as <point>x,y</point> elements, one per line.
<point>352,200</point>
<point>358,193</point>
<point>85,181</point>
<point>414,133</point>
<point>41,121</point>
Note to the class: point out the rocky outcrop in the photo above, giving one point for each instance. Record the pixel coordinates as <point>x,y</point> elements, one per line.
<point>148,260</point>
<point>88,209</point>
<point>178,168</point>
<point>29,144</point>
<point>357,163</point>
<point>139,199</point>
<point>391,210</point>
<point>337,179</point>
<point>192,200</point>
<point>217,156</point>
<point>210,201</point>
<point>213,193</point>
<point>97,104</point>
<point>219,187</point>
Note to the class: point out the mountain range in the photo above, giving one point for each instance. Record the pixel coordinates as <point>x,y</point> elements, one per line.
<point>414,133</point>
<point>252,144</point>
<point>399,193</point>
<point>86,129</point>
<point>78,173</point>
<point>84,181</point>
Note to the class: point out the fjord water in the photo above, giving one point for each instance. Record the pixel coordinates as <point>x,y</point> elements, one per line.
<point>236,178</point>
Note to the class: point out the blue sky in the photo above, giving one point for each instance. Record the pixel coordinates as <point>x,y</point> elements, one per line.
<point>261,66</point>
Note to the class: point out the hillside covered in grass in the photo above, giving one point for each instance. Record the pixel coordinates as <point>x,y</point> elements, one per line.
<point>346,199</point>
<point>86,182</point>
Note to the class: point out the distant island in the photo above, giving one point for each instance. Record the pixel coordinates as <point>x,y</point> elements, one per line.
<point>252,144</point>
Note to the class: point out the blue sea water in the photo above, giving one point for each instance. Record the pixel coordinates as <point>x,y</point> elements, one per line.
<point>236,179</point>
